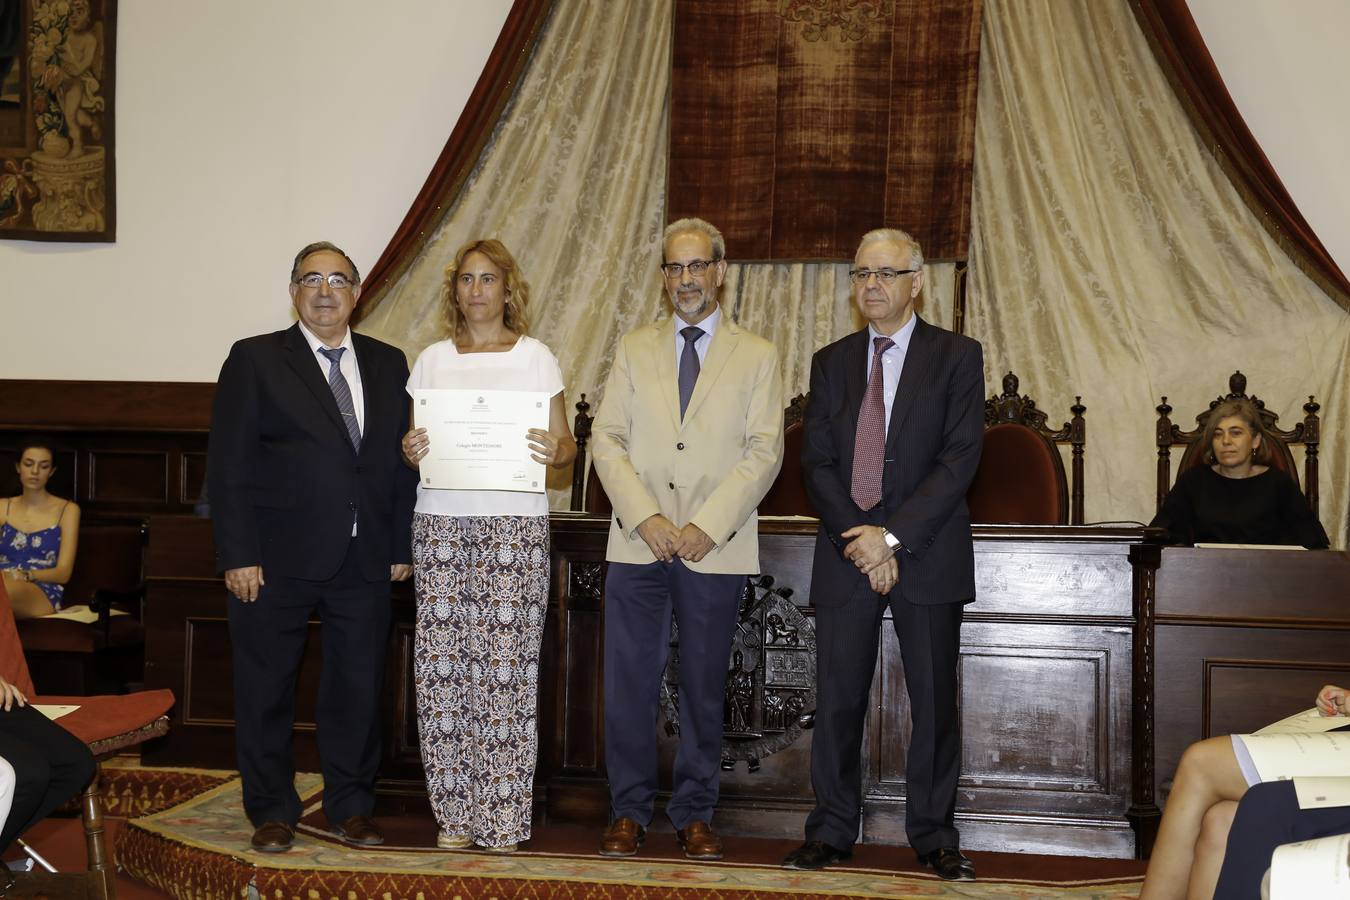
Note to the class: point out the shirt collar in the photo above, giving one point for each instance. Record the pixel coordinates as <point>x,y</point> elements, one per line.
<point>315,344</point>
<point>709,325</point>
<point>901,337</point>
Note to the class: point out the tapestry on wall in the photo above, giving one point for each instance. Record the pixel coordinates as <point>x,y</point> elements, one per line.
<point>56,120</point>
<point>797,125</point>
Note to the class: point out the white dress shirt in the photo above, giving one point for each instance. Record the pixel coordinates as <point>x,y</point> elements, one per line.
<point>347,365</point>
<point>892,361</point>
<point>709,325</point>
<point>350,371</point>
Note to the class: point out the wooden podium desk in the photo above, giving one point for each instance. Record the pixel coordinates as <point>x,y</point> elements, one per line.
<point>1241,638</point>
<point>1046,680</point>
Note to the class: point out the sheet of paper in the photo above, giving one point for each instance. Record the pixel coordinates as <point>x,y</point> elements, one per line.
<point>81,613</point>
<point>1322,792</point>
<point>1306,722</point>
<point>1281,756</point>
<point>477,439</point>
<point>54,711</point>
<point>1319,868</point>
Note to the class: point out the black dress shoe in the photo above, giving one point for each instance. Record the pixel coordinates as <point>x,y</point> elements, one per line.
<point>949,863</point>
<point>815,855</point>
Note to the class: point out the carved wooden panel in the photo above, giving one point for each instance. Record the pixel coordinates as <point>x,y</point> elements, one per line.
<point>405,746</point>
<point>582,656</point>
<point>192,477</point>
<point>133,477</point>
<point>1244,695</point>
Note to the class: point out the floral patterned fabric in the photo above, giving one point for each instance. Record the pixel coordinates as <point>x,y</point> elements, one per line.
<point>33,550</point>
<point>482,589</point>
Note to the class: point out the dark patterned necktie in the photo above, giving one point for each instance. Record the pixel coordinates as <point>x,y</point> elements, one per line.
<point>342,393</point>
<point>688,365</point>
<point>869,444</point>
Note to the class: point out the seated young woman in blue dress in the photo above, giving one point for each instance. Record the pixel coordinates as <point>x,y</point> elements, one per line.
<point>1238,497</point>
<point>38,537</point>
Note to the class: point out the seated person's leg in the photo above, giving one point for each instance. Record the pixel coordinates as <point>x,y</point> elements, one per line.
<point>27,599</point>
<point>1209,848</point>
<point>1267,817</point>
<point>50,767</point>
<point>1208,774</point>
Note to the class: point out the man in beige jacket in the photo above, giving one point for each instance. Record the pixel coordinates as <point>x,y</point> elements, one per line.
<point>688,439</point>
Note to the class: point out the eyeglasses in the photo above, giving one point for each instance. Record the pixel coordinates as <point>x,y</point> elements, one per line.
<point>696,267</point>
<point>337,281</point>
<point>885,276</point>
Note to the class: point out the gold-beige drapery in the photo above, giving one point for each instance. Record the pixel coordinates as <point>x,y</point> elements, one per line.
<point>1109,255</point>
<point>573,181</point>
<point>1112,258</point>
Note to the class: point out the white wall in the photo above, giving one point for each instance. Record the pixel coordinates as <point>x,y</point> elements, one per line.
<point>244,131</point>
<point>1286,68</point>
<point>247,129</point>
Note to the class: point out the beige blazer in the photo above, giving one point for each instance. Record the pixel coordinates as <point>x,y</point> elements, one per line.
<point>713,468</point>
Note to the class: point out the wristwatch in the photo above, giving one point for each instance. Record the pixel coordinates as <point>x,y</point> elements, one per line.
<point>892,541</point>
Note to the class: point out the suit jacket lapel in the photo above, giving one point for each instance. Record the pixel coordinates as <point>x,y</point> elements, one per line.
<point>855,386</point>
<point>919,359</point>
<point>722,348</point>
<point>369,367</point>
<point>301,358</point>
<point>664,357</point>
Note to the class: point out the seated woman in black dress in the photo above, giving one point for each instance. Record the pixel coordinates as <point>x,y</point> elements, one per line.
<point>1238,497</point>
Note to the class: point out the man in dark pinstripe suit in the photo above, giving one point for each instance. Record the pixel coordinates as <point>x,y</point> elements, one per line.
<point>892,440</point>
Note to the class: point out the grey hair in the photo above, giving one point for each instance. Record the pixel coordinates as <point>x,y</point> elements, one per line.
<point>319,247</point>
<point>683,226</point>
<point>896,236</point>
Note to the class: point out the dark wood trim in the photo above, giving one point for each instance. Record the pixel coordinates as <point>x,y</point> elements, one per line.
<point>60,406</point>
<point>496,85</point>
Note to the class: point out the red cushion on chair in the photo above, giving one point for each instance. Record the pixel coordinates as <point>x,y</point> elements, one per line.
<point>113,721</point>
<point>1020,480</point>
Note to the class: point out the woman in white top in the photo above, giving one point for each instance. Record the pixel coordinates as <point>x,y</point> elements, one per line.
<point>481,564</point>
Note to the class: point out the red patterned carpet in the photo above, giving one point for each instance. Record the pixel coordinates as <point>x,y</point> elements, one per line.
<point>189,839</point>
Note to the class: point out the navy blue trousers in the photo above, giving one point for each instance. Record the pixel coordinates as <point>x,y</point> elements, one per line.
<point>639,600</point>
<point>1267,817</point>
<point>268,639</point>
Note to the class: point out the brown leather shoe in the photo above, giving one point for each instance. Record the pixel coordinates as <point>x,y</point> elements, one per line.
<point>273,837</point>
<point>360,830</point>
<point>623,837</point>
<point>699,841</point>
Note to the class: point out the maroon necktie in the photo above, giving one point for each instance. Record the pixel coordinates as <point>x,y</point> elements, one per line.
<point>869,444</point>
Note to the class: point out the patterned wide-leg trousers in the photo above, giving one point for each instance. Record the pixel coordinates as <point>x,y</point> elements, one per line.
<point>482,589</point>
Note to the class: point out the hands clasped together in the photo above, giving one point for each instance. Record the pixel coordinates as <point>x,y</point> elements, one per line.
<point>689,543</point>
<point>869,551</point>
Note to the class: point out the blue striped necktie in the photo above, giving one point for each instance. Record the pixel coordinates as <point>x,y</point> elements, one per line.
<point>342,393</point>
<point>689,366</point>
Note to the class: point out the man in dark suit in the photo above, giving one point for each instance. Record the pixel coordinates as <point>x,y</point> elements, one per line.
<point>312,508</point>
<point>892,439</point>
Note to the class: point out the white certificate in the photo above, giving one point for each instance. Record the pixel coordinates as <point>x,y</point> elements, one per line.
<point>477,439</point>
